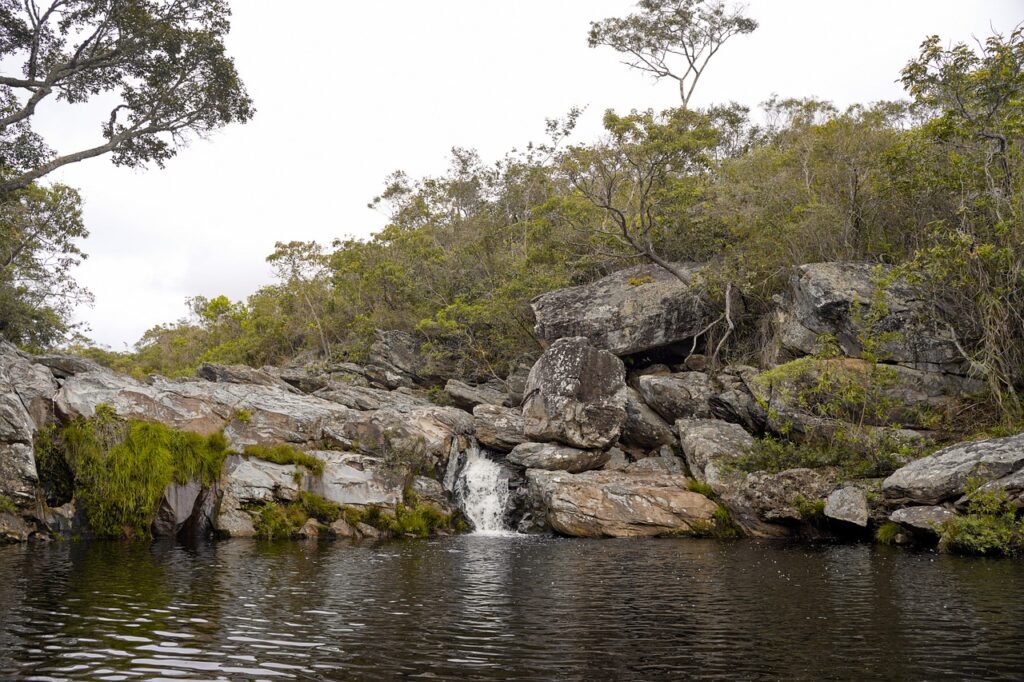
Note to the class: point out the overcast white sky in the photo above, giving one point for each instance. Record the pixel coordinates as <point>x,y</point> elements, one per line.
<point>347,92</point>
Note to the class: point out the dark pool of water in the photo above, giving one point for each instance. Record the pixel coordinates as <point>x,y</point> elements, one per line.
<point>477,607</point>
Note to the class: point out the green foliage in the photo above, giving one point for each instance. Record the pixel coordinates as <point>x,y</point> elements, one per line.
<point>40,228</point>
<point>888,532</point>
<point>989,527</point>
<point>704,489</point>
<point>320,509</point>
<point>242,415</point>
<point>876,459</point>
<point>418,519</point>
<point>277,522</point>
<point>721,527</point>
<point>55,476</point>
<point>811,511</point>
<point>283,453</point>
<point>121,468</point>
<point>7,505</point>
<point>163,65</point>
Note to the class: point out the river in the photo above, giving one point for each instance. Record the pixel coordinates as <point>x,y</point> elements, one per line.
<point>496,607</point>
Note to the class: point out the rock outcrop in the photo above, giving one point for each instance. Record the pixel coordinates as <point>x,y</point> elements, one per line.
<point>499,428</point>
<point>944,475</point>
<point>467,397</point>
<point>683,395</point>
<point>848,504</point>
<point>576,396</point>
<point>620,504</point>
<point>831,298</point>
<point>554,457</point>
<point>630,311</point>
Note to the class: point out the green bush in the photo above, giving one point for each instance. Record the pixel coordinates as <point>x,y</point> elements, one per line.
<point>774,455</point>
<point>278,522</point>
<point>989,528</point>
<point>320,509</point>
<point>283,453</point>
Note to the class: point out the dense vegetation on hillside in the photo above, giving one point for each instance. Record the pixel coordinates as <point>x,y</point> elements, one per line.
<point>932,185</point>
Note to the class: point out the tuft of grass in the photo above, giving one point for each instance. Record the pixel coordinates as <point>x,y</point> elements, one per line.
<point>888,532</point>
<point>121,468</point>
<point>421,520</point>
<point>704,489</point>
<point>242,415</point>
<point>320,509</point>
<point>283,453</point>
<point>7,505</point>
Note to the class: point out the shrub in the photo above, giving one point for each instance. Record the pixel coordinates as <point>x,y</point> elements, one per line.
<point>283,453</point>
<point>880,458</point>
<point>989,528</point>
<point>276,522</point>
<point>811,511</point>
<point>320,509</point>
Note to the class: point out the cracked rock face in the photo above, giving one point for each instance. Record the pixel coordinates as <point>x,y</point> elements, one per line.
<point>629,311</point>
<point>619,504</point>
<point>945,474</point>
<point>576,396</point>
<point>823,298</point>
<point>554,457</point>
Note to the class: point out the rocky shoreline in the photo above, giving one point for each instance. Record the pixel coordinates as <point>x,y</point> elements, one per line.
<point>621,427</point>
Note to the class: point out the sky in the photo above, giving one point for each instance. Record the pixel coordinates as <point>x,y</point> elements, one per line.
<point>347,92</point>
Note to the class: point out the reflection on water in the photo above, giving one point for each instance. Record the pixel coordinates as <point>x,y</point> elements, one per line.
<point>495,607</point>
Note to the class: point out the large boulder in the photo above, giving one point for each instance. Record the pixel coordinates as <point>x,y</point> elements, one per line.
<point>499,428</point>
<point>712,443</point>
<point>575,395</point>
<point>554,457</point>
<point>176,507</point>
<point>620,504</point>
<point>926,520</point>
<point>848,504</point>
<point>944,475</point>
<point>467,397</point>
<point>769,504</point>
<point>424,433</point>
<point>355,479</point>
<point>630,311</point>
<point>678,396</point>
<point>831,298</point>
<point>21,389</point>
<point>242,374</point>
<point>644,428</point>
<point>368,398</point>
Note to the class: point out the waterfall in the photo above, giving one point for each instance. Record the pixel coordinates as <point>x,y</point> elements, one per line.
<point>483,492</point>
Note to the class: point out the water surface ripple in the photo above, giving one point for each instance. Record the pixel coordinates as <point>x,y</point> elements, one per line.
<point>497,607</point>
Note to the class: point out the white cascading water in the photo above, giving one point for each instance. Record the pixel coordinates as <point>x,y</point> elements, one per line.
<point>484,492</point>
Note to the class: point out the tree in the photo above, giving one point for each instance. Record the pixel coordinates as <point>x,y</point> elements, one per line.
<point>163,60</point>
<point>302,269</point>
<point>672,38</point>
<point>973,272</point>
<point>643,178</point>
<point>39,228</point>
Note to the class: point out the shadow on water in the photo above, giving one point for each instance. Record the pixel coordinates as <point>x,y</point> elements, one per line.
<point>506,607</point>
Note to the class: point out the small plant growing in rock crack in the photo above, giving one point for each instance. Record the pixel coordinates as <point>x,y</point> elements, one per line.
<point>7,505</point>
